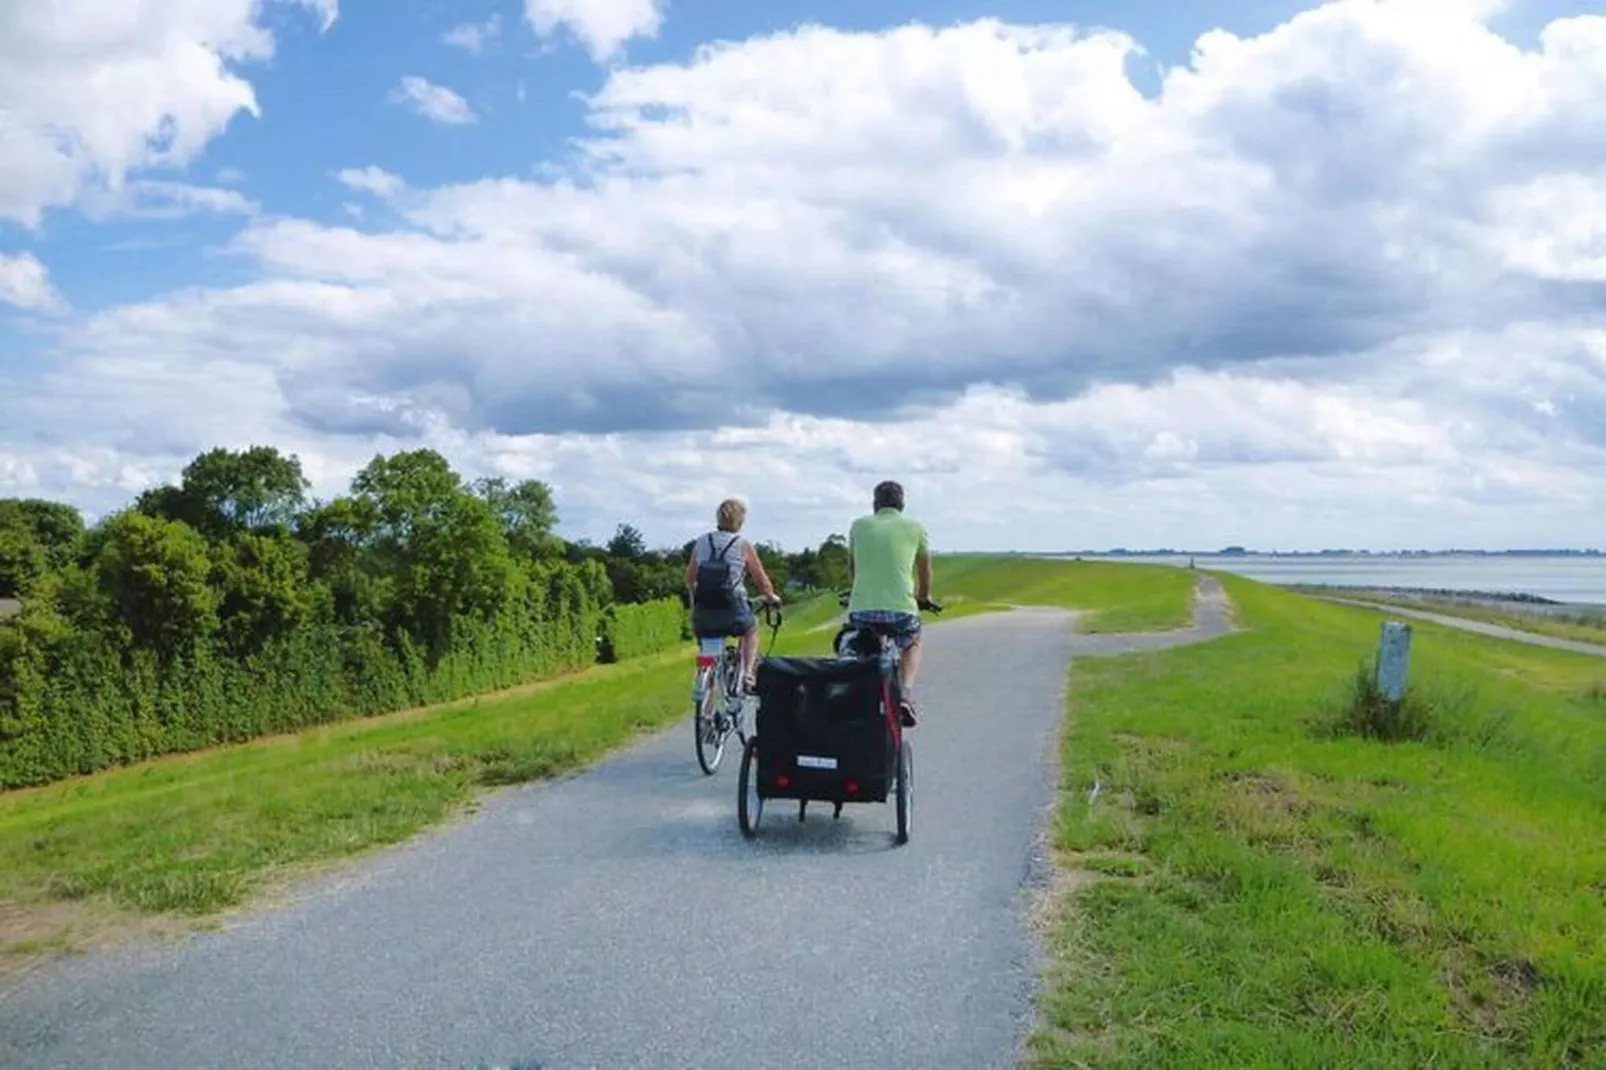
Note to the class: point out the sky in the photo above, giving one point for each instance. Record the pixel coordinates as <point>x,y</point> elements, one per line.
<point>1089,274</point>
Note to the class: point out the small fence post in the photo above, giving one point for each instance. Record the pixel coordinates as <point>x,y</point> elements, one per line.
<point>1393,660</point>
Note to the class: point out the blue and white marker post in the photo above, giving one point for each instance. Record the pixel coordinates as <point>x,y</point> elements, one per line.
<point>1393,661</point>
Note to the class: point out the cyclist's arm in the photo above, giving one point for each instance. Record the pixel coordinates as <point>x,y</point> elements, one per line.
<point>691,572</point>
<point>755,569</point>
<point>923,571</point>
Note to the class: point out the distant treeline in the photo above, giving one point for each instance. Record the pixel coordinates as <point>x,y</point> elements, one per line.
<point>229,606</point>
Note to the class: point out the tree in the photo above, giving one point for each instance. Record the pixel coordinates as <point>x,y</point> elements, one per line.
<point>407,489</point>
<point>22,558</point>
<point>627,544</point>
<point>775,562</point>
<point>339,536</point>
<point>56,526</point>
<point>527,513</point>
<point>223,491</point>
<point>251,490</point>
<point>263,590</point>
<point>441,548</point>
<point>832,563</point>
<point>156,574</point>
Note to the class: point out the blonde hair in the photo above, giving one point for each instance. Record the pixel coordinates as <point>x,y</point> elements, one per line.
<point>731,515</point>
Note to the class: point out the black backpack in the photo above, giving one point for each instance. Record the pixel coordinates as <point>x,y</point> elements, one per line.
<point>716,588</point>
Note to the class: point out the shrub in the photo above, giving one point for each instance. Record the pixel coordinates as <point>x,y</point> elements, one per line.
<point>633,631</point>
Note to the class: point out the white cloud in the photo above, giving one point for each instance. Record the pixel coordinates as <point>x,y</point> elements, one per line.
<point>158,199</point>
<point>328,11</point>
<point>375,180</point>
<point>1337,283</point>
<point>603,26</point>
<point>473,37</point>
<point>25,284</point>
<point>92,91</point>
<point>433,102</point>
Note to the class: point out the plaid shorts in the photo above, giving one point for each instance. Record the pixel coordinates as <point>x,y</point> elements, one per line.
<point>905,627</point>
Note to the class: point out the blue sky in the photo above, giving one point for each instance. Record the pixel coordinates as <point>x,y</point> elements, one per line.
<point>1336,284</point>
<point>325,103</point>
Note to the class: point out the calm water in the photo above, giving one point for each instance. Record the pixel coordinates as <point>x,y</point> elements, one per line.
<point>1565,579</point>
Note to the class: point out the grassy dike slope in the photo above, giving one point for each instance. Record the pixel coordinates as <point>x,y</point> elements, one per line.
<point>1244,888</point>
<point>1117,597</point>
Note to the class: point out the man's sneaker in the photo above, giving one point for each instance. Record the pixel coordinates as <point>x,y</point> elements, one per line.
<point>906,712</point>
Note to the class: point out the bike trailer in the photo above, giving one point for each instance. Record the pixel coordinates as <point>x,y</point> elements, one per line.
<point>824,731</point>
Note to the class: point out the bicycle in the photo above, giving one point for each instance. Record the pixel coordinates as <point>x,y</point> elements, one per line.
<point>718,704</point>
<point>841,764</point>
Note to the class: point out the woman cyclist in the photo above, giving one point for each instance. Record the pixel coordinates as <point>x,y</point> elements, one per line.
<point>721,560</point>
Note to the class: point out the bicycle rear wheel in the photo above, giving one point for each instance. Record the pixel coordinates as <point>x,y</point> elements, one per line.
<point>709,736</point>
<point>749,803</point>
<point>905,800</point>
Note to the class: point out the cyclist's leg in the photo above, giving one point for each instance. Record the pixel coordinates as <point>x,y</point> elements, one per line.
<point>909,646</point>
<point>909,663</point>
<point>749,650</point>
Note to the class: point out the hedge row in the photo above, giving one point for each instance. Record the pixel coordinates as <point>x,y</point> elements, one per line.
<point>71,703</point>
<point>633,631</point>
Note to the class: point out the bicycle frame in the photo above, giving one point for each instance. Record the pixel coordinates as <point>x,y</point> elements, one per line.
<point>719,667</point>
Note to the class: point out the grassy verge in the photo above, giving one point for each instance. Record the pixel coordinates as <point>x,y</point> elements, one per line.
<point>1249,884</point>
<point>201,833</point>
<point>1118,597</point>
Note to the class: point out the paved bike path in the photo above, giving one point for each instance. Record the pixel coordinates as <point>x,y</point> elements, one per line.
<point>618,918</point>
<point>1465,624</point>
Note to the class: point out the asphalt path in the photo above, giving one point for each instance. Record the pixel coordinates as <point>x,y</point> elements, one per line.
<point>617,918</point>
<point>1497,631</point>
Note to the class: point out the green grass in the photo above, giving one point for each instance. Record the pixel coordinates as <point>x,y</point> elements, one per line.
<point>1119,597</point>
<point>1248,887</point>
<point>198,834</point>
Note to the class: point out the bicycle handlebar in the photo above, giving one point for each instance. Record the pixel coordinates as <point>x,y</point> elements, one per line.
<point>926,604</point>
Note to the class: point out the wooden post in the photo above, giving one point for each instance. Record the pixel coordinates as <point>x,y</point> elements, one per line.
<point>1393,660</point>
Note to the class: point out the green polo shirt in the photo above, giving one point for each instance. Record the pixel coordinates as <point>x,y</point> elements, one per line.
<point>884,548</point>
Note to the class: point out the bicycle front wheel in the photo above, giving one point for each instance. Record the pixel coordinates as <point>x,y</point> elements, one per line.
<point>710,737</point>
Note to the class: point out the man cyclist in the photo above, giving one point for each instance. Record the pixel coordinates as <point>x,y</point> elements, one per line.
<point>890,563</point>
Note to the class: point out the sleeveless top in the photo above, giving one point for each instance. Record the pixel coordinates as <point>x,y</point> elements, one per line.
<point>735,559</point>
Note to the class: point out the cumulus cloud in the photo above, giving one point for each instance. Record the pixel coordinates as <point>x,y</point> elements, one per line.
<point>473,37</point>
<point>92,91</point>
<point>603,26</point>
<point>1340,277</point>
<point>25,283</point>
<point>433,102</point>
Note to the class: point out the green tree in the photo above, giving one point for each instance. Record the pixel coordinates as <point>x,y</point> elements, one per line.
<point>156,575</point>
<point>627,543</point>
<point>340,536</point>
<point>832,563</point>
<point>775,562</point>
<point>407,489</point>
<point>225,491</point>
<point>527,513</point>
<point>263,590</point>
<point>57,527</point>
<point>22,558</point>
<point>441,547</point>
